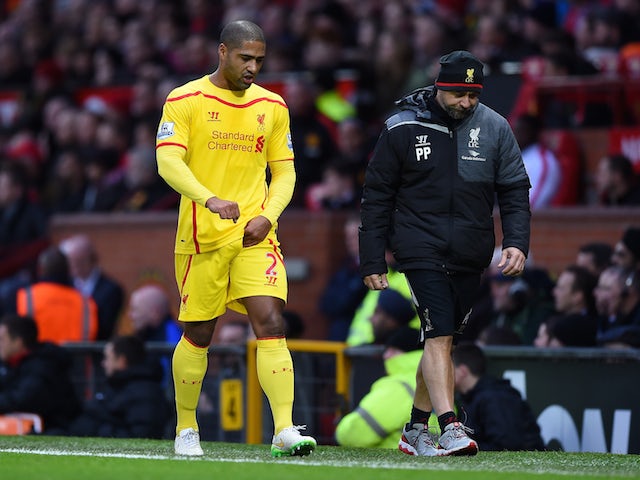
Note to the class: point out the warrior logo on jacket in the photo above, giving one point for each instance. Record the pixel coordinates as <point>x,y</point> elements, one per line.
<point>423,147</point>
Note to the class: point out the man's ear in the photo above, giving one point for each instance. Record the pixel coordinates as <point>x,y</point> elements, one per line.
<point>463,370</point>
<point>19,341</point>
<point>121,362</point>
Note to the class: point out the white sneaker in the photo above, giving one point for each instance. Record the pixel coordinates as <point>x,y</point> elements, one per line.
<point>290,442</point>
<point>455,440</point>
<point>188,443</point>
<point>418,440</point>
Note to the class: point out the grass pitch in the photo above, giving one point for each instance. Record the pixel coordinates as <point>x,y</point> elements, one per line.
<point>65,458</point>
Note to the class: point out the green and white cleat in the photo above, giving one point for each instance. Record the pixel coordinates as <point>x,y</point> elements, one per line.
<point>289,442</point>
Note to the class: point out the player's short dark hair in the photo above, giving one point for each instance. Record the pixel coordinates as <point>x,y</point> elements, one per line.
<point>234,34</point>
<point>23,327</point>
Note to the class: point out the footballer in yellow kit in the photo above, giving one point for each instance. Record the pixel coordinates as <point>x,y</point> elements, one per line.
<point>217,137</point>
<point>217,142</point>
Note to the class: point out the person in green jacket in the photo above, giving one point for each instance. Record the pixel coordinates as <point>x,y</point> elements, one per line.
<point>361,329</point>
<point>378,419</point>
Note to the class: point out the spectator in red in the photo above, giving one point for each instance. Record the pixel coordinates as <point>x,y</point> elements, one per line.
<point>541,163</point>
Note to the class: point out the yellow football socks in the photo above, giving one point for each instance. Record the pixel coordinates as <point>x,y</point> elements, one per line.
<point>189,366</point>
<point>275,374</point>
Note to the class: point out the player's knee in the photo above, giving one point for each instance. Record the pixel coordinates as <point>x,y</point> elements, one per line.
<point>199,333</point>
<point>270,324</point>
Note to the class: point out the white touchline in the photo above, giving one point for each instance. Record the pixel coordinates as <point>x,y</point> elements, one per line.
<point>253,459</point>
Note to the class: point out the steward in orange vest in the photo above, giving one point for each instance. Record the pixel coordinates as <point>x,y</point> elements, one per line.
<point>61,312</point>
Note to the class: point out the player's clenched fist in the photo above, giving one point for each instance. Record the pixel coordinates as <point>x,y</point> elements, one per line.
<point>225,208</point>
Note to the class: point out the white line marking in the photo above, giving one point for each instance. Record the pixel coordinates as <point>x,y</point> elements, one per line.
<point>266,459</point>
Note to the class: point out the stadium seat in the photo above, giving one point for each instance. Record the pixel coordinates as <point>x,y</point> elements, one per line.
<point>20,423</point>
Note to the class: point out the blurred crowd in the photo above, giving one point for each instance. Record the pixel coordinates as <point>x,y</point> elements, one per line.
<point>82,83</point>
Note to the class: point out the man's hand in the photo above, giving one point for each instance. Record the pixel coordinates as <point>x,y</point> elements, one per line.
<point>255,231</point>
<point>225,208</point>
<point>377,281</point>
<point>512,262</point>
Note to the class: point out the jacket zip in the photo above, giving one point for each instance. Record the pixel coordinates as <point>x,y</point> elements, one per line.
<point>452,173</point>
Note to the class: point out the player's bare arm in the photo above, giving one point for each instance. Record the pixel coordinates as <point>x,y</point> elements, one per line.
<point>255,231</point>
<point>377,281</point>
<point>225,208</point>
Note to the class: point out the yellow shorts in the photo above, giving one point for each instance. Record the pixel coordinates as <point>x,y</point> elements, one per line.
<point>211,282</point>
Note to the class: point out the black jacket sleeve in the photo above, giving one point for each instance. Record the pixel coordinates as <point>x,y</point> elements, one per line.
<point>378,202</point>
<point>512,189</point>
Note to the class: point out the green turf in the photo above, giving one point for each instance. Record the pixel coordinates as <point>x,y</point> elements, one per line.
<point>53,458</point>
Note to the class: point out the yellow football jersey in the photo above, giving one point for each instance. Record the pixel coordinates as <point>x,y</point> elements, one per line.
<point>226,139</point>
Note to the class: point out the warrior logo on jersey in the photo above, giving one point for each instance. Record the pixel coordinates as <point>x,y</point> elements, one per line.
<point>260,119</point>
<point>165,130</point>
<point>423,147</point>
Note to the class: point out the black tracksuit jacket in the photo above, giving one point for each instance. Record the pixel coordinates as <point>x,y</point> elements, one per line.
<point>41,383</point>
<point>499,417</point>
<point>431,185</point>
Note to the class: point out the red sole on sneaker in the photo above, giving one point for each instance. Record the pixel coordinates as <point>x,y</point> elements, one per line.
<point>405,447</point>
<point>469,450</point>
<point>405,450</point>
